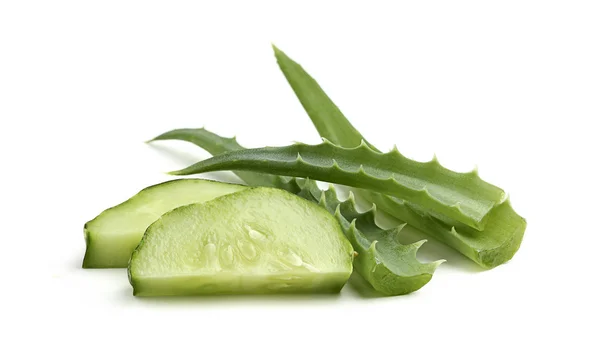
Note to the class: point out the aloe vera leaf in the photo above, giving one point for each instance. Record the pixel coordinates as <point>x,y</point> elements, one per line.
<point>383,260</point>
<point>215,144</point>
<point>390,266</point>
<point>316,103</point>
<point>493,246</point>
<point>331,124</point>
<point>460,196</point>
<point>504,230</point>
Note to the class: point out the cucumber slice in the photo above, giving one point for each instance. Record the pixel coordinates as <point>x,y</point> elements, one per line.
<point>113,235</point>
<point>260,240</point>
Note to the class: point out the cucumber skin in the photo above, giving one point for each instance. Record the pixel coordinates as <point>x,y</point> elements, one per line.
<point>330,283</point>
<point>93,258</point>
<point>183,286</point>
<point>89,261</point>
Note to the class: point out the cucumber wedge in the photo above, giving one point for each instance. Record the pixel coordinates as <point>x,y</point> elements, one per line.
<point>257,241</point>
<point>113,235</point>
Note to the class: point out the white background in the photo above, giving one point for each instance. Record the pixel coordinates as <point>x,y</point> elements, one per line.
<point>512,86</point>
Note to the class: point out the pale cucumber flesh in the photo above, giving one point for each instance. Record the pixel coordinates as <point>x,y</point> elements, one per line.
<point>112,236</point>
<point>260,240</point>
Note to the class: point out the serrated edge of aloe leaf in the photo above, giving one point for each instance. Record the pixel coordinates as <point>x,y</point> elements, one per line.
<point>369,261</point>
<point>378,271</point>
<point>322,162</point>
<point>309,189</point>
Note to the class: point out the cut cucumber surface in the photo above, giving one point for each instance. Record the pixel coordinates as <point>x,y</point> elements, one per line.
<point>260,240</point>
<point>113,235</point>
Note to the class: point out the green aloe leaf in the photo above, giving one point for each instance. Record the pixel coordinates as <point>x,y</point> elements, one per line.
<point>493,246</point>
<point>215,145</point>
<point>317,104</point>
<point>504,229</point>
<point>383,260</point>
<point>459,196</point>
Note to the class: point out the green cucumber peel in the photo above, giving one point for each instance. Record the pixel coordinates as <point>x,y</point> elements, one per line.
<point>383,260</point>
<point>464,197</point>
<point>494,245</point>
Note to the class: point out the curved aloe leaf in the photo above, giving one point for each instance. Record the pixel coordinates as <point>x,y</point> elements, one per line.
<point>494,245</point>
<point>389,265</point>
<point>460,196</point>
<point>383,260</point>
<point>215,145</point>
<point>504,230</point>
